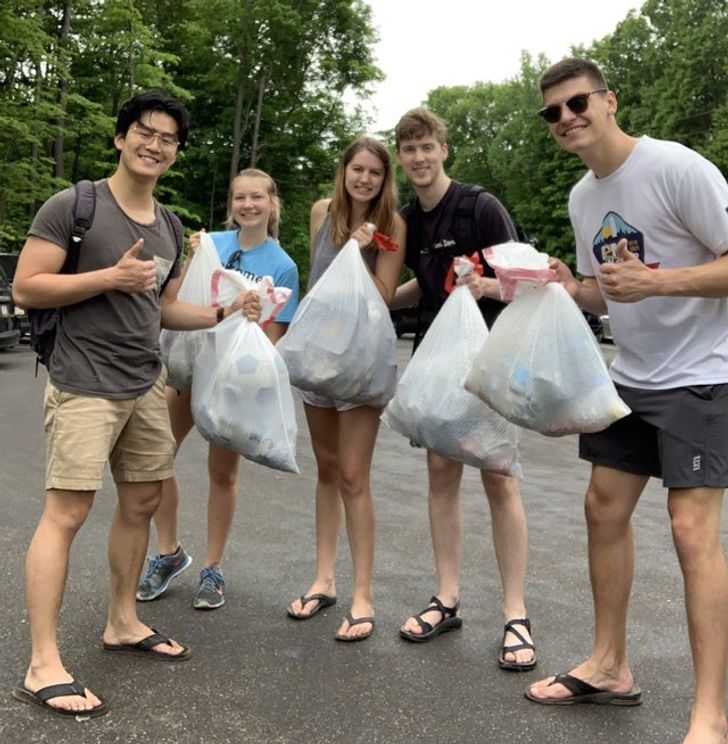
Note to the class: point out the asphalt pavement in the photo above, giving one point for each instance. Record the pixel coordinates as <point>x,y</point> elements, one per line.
<point>257,677</point>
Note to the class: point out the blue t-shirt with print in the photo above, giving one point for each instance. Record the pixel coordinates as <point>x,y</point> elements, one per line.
<point>266,259</point>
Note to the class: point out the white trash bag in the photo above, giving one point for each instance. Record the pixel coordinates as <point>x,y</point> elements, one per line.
<point>341,343</point>
<point>432,408</point>
<point>241,395</point>
<point>179,348</point>
<point>542,368</point>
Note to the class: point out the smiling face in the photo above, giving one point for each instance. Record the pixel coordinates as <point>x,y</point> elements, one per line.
<point>364,176</point>
<point>148,148</point>
<point>578,133</point>
<point>251,203</point>
<point>422,159</point>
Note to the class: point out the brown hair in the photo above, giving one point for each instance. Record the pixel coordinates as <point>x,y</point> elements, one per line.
<point>420,122</point>
<point>571,67</point>
<point>383,206</point>
<point>275,202</point>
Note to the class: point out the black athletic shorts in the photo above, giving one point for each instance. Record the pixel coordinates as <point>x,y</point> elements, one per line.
<point>680,435</point>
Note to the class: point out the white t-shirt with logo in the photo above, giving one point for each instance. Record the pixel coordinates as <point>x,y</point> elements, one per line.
<point>671,204</point>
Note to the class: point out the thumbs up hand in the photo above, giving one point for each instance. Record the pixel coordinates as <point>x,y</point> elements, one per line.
<point>132,274</point>
<point>627,280</point>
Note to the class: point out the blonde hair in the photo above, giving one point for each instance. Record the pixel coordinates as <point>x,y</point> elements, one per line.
<point>381,209</point>
<point>271,189</point>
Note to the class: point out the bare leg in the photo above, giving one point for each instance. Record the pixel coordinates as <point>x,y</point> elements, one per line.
<point>695,515</point>
<point>127,544</point>
<point>166,518</point>
<point>46,572</point>
<point>610,501</point>
<point>223,466</point>
<point>323,423</point>
<point>446,530</point>
<point>510,541</point>
<point>358,429</point>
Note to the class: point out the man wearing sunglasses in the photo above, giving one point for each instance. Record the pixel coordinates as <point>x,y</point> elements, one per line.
<point>651,225</point>
<point>105,396</point>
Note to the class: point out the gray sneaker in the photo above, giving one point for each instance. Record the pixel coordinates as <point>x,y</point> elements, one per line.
<point>160,572</point>
<point>211,593</point>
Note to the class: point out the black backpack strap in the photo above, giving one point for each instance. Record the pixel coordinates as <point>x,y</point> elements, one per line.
<point>84,208</point>
<point>414,231</point>
<point>463,231</point>
<point>179,238</point>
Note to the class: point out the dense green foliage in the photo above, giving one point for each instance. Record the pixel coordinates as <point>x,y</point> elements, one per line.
<point>265,81</point>
<point>669,67</point>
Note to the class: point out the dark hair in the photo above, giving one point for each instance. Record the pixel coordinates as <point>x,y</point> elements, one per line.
<point>419,122</point>
<point>571,67</point>
<point>154,100</point>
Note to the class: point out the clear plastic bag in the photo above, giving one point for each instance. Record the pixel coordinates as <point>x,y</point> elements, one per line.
<point>241,395</point>
<point>431,406</point>
<point>341,343</point>
<point>227,284</point>
<point>542,368</point>
<point>518,266</point>
<point>179,349</point>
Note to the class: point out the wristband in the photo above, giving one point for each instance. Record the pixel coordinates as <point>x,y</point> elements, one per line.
<point>220,313</point>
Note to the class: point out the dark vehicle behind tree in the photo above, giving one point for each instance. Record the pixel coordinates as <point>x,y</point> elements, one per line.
<point>8,263</point>
<point>9,334</point>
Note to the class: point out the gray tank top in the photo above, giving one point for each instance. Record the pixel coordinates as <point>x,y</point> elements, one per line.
<point>324,252</point>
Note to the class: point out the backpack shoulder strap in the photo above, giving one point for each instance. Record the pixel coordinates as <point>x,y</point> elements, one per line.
<point>463,218</point>
<point>84,208</point>
<point>414,232</point>
<point>179,238</point>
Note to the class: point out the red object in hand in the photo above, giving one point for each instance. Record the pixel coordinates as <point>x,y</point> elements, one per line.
<point>384,242</point>
<point>451,279</point>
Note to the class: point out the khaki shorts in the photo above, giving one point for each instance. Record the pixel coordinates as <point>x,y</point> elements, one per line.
<point>83,433</point>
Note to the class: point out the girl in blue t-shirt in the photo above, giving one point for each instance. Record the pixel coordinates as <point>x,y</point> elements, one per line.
<point>251,247</point>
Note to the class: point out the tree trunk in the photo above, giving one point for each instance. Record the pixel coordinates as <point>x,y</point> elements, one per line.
<point>63,87</point>
<point>255,146</point>
<point>238,122</point>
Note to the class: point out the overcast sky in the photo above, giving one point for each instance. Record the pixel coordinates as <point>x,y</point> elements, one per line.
<point>427,43</point>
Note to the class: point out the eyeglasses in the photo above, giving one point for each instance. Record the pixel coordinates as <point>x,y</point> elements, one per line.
<point>147,136</point>
<point>577,104</point>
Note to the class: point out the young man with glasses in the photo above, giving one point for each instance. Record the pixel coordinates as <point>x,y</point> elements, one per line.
<point>432,244</point>
<point>105,394</point>
<point>651,225</point>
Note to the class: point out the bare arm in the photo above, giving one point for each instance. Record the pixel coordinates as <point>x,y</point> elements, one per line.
<point>38,283</point>
<point>389,263</point>
<point>586,293</point>
<point>275,331</point>
<point>406,295</point>
<point>630,280</point>
<point>178,315</point>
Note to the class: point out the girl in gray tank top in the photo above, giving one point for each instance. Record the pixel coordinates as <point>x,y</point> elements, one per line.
<point>343,435</point>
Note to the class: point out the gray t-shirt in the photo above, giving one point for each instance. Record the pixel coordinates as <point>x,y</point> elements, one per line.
<point>108,345</point>
<point>324,252</point>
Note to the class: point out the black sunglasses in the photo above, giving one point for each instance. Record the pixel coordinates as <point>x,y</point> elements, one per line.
<point>577,104</point>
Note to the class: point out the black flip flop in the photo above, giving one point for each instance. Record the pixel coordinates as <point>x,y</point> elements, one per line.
<point>42,696</point>
<point>448,621</point>
<point>583,692</point>
<point>324,600</point>
<point>146,645</point>
<point>356,621</point>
